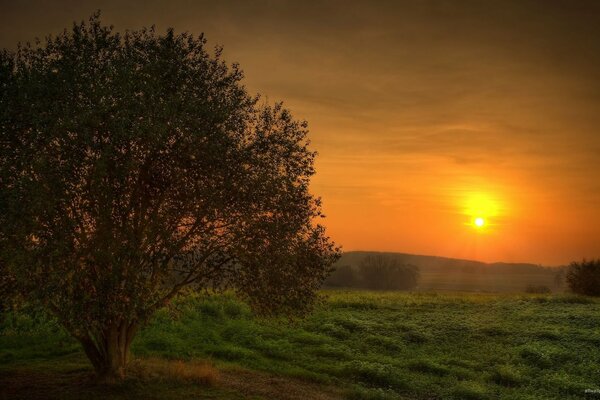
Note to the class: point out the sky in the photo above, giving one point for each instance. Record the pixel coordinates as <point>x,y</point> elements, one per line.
<point>426,114</point>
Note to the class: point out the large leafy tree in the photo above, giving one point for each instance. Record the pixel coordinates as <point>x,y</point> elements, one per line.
<point>135,165</point>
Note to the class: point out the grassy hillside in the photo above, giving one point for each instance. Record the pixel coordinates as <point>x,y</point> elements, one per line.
<point>442,273</point>
<point>372,345</point>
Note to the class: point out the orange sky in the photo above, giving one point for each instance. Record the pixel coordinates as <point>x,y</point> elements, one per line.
<point>417,109</point>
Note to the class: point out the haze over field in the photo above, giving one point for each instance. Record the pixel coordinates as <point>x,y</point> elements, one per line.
<point>450,274</point>
<point>426,115</point>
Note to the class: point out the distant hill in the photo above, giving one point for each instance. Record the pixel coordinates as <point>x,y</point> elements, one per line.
<point>442,273</point>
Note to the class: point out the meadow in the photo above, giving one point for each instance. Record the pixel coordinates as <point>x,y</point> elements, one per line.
<point>355,345</point>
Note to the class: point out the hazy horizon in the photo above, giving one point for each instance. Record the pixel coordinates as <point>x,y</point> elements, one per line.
<point>426,115</point>
<point>454,258</point>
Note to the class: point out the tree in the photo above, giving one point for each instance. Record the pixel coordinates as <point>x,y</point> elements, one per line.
<point>584,277</point>
<point>385,272</point>
<point>133,166</point>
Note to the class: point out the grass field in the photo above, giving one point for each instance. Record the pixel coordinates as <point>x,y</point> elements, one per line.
<point>357,345</point>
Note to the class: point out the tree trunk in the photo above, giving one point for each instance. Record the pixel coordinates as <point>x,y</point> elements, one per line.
<point>108,351</point>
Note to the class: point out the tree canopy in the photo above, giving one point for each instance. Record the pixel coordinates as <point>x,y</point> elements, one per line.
<point>135,165</point>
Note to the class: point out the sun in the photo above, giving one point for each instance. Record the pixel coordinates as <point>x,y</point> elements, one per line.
<point>481,211</point>
<point>479,222</point>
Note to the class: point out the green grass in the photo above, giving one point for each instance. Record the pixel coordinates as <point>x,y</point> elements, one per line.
<point>379,345</point>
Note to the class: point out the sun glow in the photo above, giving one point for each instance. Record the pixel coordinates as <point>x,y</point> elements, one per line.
<point>480,209</point>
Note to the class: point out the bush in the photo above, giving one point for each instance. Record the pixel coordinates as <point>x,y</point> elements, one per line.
<point>537,289</point>
<point>584,277</point>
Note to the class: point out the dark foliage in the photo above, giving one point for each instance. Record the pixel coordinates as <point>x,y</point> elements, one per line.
<point>584,277</point>
<point>133,166</point>
<point>10,298</point>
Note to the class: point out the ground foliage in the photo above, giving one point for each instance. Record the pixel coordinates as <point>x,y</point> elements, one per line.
<point>390,345</point>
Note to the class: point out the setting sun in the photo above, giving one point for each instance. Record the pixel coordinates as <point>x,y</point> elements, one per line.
<point>480,207</point>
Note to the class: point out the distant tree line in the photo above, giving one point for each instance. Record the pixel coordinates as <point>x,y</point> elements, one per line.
<point>388,272</point>
<point>376,272</point>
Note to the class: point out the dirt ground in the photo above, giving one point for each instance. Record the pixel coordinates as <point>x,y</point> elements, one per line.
<point>26,383</point>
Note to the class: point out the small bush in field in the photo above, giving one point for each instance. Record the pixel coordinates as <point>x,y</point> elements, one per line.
<point>584,277</point>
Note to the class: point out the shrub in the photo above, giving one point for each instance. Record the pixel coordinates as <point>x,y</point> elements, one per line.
<point>584,277</point>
